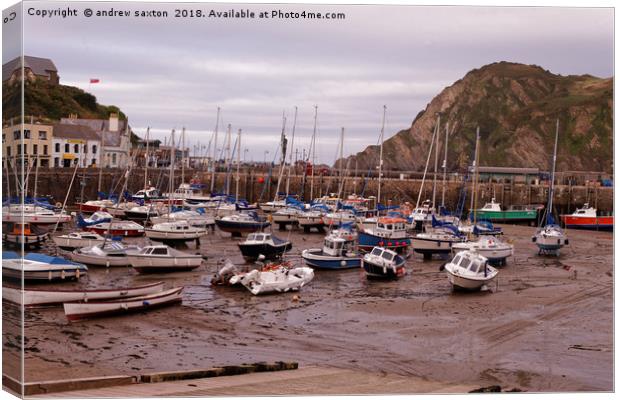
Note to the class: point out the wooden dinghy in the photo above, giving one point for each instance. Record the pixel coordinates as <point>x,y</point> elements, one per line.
<point>46,297</point>
<point>82,310</point>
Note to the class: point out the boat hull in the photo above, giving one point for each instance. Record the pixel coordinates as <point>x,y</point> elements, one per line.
<point>105,261</point>
<point>374,271</point>
<point>40,297</point>
<point>507,216</point>
<point>26,240</point>
<point>367,241</point>
<point>153,265</point>
<point>589,223</point>
<point>316,259</point>
<point>163,236</point>
<point>73,243</point>
<point>253,251</point>
<point>429,247</point>
<point>237,227</point>
<point>79,311</point>
<point>463,283</point>
<point>116,232</point>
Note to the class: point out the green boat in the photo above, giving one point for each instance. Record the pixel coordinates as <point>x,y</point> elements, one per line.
<point>493,212</point>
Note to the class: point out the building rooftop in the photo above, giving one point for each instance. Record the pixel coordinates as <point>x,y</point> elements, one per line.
<point>68,131</point>
<point>38,65</point>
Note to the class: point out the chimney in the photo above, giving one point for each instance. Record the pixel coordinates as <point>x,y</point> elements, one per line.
<point>113,122</point>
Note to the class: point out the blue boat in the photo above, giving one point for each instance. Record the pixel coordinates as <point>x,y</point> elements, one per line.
<point>338,252</point>
<point>389,232</point>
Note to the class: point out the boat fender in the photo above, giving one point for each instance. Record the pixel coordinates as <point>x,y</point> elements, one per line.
<point>566,241</point>
<point>343,263</point>
<point>58,204</point>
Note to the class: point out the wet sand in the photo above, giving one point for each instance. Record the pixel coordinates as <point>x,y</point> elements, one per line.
<point>547,326</point>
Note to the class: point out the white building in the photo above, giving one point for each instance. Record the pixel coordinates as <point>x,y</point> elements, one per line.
<point>75,144</point>
<point>116,138</point>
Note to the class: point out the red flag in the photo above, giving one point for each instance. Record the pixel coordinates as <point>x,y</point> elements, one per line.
<point>94,80</point>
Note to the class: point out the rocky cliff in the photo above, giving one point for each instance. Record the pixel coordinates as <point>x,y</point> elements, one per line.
<point>516,107</point>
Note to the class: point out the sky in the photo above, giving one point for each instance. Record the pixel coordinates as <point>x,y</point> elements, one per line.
<point>174,72</point>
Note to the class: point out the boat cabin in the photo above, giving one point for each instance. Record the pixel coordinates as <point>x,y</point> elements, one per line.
<point>392,228</point>
<point>147,193</point>
<point>259,237</point>
<point>386,255</point>
<point>338,245</point>
<point>473,263</point>
<point>585,211</point>
<point>154,251</point>
<point>492,206</point>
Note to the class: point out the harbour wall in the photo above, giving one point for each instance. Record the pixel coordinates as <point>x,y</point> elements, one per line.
<point>258,186</point>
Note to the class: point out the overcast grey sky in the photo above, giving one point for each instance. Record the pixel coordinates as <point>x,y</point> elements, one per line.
<point>168,73</point>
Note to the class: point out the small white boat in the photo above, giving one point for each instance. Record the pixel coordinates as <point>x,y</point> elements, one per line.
<point>422,215</point>
<point>40,267</point>
<point>112,254</point>
<point>437,240</point>
<point>311,219</point>
<point>174,231</point>
<point>285,216</point>
<point>97,218</point>
<point>272,206</point>
<point>45,297</point>
<point>118,211</point>
<point>17,233</point>
<point>117,228</point>
<point>83,310</point>
<point>383,263</point>
<point>147,194</point>
<point>469,270</point>
<point>265,244</point>
<point>76,240</point>
<point>336,218</point>
<point>162,258</point>
<point>194,218</point>
<point>495,250</point>
<point>550,239</point>
<point>278,280</point>
<point>142,213</point>
<point>33,214</point>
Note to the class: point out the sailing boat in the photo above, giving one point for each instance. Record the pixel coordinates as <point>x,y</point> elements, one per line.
<point>551,237</point>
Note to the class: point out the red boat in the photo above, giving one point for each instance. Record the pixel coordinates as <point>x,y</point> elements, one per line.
<point>93,206</point>
<point>121,228</point>
<point>586,218</point>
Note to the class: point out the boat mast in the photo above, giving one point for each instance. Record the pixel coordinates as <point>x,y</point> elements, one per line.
<point>171,177</point>
<point>282,156</point>
<point>146,160</point>
<point>228,158</point>
<point>380,157</point>
<point>313,150</point>
<point>445,168</point>
<point>476,160</point>
<point>101,158</point>
<point>436,162</point>
<point>217,122</point>
<point>183,156</point>
<point>36,178</point>
<point>552,182</point>
<point>341,189</point>
<point>238,166</point>
<point>428,159</point>
<point>290,157</point>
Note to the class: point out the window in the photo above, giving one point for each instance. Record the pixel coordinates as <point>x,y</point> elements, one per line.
<point>464,263</point>
<point>25,148</point>
<point>16,135</point>
<point>57,147</point>
<point>114,159</point>
<point>35,149</point>
<point>387,256</point>
<point>85,149</point>
<point>3,137</point>
<point>94,149</point>
<point>45,149</point>
<point>93,162</point>
<point>76,148</point>
<point>160,250</point>
<point>376,251</point>
<point>8,151</point>
<point>26,133</point>
<point>474,267</point>
<point>42,135</point>
<point>56,162</point>
<point>67,147</point>
<point>19,149</point>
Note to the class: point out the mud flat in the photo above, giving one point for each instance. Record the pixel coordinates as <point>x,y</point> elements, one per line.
<point>547,326</point>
